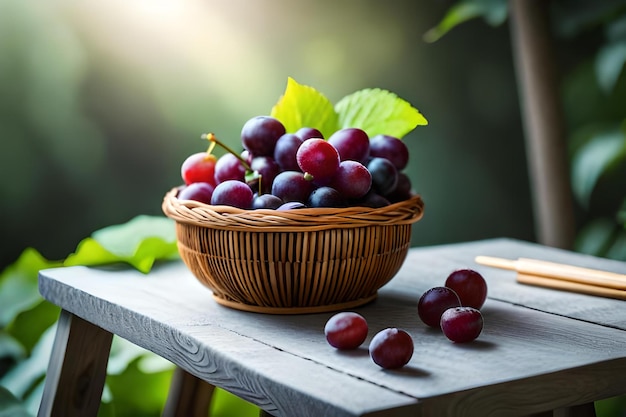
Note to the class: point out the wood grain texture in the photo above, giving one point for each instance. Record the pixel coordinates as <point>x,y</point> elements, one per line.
<point>530,357</point>
<point>77,370</point>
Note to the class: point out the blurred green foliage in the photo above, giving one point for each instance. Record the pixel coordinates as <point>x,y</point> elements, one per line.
<point>594,101</point>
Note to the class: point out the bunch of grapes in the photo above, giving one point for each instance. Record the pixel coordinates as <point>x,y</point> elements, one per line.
<point>453,308</point>
<point>280,170</point>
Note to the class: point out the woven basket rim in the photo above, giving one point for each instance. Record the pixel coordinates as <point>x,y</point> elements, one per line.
<point>228,217</point>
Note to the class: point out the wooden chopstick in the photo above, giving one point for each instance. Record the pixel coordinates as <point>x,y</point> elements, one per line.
<point>571,286</point>
<point>562,276</point>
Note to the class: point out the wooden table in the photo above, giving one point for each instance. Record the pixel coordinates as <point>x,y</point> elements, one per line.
<point>540,350</point>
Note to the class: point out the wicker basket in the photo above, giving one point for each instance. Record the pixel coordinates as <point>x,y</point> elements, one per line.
<point>295,261</point>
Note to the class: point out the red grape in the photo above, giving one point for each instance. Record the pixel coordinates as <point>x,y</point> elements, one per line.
<point>434,302</point>
<point>391,148</point>
<point>259,135</point>
<point>318,159</point>
<point>351,143</point>
<point>232,193</point>
<point>346,330</point>
<point>353,179</point>
<point>470,286</point>
<point>198,191</point>
<point>199,167</point>
<point>391,348</point>
<point>462,324</point>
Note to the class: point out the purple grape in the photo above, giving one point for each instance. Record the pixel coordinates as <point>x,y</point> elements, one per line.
<point>232,193</point>
<point>305,133</point>
<point>461,324</point>
<point>326,197</point>
<point>391,348</point>
<point>390,148</point>
<point>291,186</point>
<point>434,302</point>
<point>229,167</point>
<point>384,175</point>
<point>285,152</point>
<point>318,159</point>
<point>346,330</point>
<point>403,190</point>
<point>292,205</point>
<point>469,285</point>
<point>352,144</point>
<point>259,135</point>
<point>352,180</point>
<point>371,199</point>
<point>198,191</point>
<point>267,168</point>
<point>266,201</point>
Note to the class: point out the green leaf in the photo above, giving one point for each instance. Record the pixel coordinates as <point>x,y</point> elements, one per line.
<point>30,324</point>
<point>136,393</point>
<point>225,404</point>
<point>10,348</point>
<point>21,378</point>
<point>11,406</point>
<point>493,11</point>
<point>303,106</point>
<point>609,65</point>
<point>139,242</point>
<point>595,237</point>
<point>18,284</point>
<point>378,111</point>
<point>593,159</point>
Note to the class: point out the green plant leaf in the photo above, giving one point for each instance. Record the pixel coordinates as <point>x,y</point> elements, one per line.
<point>609,64</point>
<point>378,111</point>
<point>139,242</point>
<point>10,348</point>
<point>28,326</point>
<point>136,393</point>
<point>21,378</point>
<point>493,11</point>
<point>18,284</point>
<point>304,106</point>
<point>593,159</point>
<point>10,406</point>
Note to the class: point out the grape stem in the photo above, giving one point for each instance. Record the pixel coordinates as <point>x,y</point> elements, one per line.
<point>213,139</point>
<point>250,174</point>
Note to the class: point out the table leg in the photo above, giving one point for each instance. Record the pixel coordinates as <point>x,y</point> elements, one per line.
<point>77,369</point>
<point>189,396</point>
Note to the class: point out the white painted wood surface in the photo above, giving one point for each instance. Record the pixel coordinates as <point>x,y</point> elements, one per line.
<point>540,349</point>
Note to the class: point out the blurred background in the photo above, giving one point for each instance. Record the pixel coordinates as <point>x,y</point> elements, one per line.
<point>100,102</point>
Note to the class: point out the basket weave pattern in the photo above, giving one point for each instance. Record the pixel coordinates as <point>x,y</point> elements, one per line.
<point>296,261</point>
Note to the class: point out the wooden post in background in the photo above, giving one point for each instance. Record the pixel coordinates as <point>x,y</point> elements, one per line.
<point>544,124</point>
